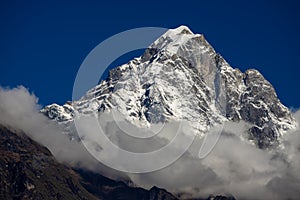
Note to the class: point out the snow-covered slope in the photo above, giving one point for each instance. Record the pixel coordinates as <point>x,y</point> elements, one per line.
<point>181,77</point>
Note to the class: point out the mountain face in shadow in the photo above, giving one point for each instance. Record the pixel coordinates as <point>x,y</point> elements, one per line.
<point>106,188</point>
<point>29,171</point>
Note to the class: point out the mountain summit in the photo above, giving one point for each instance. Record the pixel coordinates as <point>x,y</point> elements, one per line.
<point>181,77</point>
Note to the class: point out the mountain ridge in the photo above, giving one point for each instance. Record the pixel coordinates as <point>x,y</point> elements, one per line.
<point>181,77</point>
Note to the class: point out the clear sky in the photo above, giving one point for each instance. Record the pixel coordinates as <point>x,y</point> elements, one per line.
<point>42,43</point>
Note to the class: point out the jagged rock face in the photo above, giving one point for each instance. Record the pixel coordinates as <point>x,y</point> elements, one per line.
<point>181,77</point>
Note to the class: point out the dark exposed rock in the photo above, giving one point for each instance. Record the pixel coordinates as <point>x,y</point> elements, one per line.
<point>149,53</point>
<point>108,189</point>
<point>29,171</point>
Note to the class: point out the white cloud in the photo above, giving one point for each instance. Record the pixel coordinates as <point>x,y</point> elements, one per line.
<point>234,166</point>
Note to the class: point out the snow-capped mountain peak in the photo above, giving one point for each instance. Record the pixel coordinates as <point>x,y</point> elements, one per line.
<point>173,39</point>
<point>181,77</point>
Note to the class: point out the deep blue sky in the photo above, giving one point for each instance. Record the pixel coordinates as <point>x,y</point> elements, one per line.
<point>42,45</point>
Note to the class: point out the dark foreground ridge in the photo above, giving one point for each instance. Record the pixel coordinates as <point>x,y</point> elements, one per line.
<point>29,171</point>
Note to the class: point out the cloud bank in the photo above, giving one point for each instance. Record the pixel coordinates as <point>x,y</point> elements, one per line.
<point>19,109</point>
<point>234,166</point>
